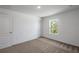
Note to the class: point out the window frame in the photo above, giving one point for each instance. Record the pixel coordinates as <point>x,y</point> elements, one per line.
<point>50,28</point>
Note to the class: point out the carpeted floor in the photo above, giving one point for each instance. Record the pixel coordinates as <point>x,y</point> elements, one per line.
<point>41,45</point>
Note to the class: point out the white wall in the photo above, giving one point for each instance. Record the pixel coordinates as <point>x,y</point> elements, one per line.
<point>68,27</point>
<point>24,27</point>
<point>27,27</point>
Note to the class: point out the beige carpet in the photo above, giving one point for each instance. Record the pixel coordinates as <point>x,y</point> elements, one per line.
<point>41,45</point>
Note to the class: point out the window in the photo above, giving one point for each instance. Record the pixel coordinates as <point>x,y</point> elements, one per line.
<point>53,27</point>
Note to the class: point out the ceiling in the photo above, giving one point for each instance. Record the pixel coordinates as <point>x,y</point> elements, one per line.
<point>44,10</point>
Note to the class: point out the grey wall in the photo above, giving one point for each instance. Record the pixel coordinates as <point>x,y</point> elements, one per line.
<point>24,27</point>
<point>68,25</point>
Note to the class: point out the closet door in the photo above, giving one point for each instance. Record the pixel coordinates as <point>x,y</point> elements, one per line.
<point>5,26</point>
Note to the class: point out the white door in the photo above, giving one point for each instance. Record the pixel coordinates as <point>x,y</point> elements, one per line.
<point>5,29</point>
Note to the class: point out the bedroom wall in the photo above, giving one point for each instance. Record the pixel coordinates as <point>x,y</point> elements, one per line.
<point>25,27</point>
<point>67,25</point>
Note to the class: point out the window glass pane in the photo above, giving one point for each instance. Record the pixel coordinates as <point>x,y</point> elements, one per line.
<point>53,27</point>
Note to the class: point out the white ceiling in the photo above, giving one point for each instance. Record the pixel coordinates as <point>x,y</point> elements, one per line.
<point>45,10</point>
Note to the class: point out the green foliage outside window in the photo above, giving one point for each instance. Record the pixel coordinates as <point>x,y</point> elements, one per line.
<point>53,27</point>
